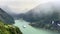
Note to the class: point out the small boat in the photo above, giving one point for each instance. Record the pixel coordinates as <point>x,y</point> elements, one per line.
<point>24,26</point>
<point>52,22</point>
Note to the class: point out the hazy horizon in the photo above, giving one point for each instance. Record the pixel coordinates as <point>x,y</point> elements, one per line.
<point>21,6</point>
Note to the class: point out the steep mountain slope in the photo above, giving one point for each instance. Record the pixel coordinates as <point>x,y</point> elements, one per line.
<point>9,11</point>
<point>5,17</point>
<point>8,29</point>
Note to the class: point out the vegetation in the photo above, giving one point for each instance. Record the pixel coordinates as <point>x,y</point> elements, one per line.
<point>8,29</point>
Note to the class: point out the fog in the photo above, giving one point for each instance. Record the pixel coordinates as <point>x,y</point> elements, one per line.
<point>22,6</point>
<point>47,8</point>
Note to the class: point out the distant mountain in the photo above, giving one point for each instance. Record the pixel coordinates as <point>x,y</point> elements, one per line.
<point>50,10</point>
<point>9,11</point>
<point>5,17</point>
<point>43,15</point>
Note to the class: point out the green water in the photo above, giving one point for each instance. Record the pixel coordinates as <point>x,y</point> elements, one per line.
<point>31,30</point>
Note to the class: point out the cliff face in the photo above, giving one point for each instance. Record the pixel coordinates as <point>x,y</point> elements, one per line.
<point>8,29</point>
<point>5,17</point>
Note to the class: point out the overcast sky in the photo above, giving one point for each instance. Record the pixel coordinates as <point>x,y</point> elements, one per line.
<point>20,5</point>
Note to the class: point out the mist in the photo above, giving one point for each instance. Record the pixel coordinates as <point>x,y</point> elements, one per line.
<point>23,6</point>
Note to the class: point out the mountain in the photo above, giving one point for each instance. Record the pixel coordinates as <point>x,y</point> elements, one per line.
<point>9,11</point>
<point>43,15</point>
<point>50,10</point>
<point>6,22</point>
<point>5,17</point>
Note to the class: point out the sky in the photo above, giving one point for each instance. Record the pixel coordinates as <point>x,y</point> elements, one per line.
<point>21,6</point>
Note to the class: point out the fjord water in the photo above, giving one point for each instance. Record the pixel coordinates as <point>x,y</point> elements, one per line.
<point>31,30</point>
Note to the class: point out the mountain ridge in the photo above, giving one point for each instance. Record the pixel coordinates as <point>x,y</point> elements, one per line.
<point>5,17</point>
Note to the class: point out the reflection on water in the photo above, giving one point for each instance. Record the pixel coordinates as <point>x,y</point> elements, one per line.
<point>31,30</point>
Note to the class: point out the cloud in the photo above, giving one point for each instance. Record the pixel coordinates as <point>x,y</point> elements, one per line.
<point>20,5</point>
